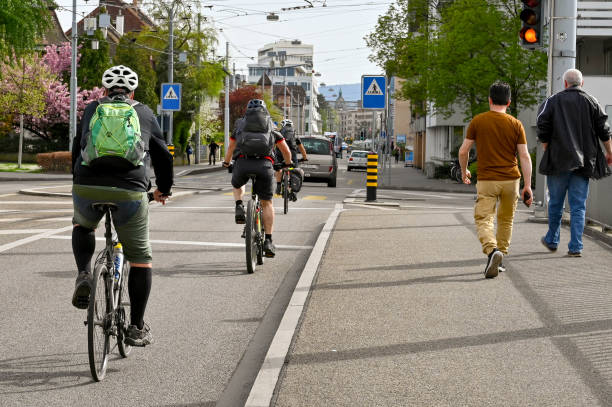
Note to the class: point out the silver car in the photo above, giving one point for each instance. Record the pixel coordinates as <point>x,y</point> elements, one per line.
<point>357,159</point>
<point>321,159</point>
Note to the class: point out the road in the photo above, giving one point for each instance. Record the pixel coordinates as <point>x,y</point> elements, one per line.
<point>211,321</point>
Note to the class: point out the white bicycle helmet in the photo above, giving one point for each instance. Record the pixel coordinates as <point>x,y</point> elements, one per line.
<point>286,122</point>
<point>120,76</point>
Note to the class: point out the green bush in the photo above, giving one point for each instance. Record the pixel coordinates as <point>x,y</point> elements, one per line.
<point>473,168</point>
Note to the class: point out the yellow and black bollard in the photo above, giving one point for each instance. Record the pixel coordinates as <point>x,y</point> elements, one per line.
<point>372,177</point>
<point>171,149</point>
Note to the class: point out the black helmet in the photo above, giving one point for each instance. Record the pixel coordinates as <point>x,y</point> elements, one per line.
<point>254,103</point>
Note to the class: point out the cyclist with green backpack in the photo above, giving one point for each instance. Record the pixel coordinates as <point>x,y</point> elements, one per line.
<point>118,140</point>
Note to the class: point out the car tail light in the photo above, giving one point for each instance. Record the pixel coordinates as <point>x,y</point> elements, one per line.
<point>351,159</point>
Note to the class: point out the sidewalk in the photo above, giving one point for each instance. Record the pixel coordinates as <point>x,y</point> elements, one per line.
<point>179,171</point>
<point>413,178</point>
<point>411,320</point>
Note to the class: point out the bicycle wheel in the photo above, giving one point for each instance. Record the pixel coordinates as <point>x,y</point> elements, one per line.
<point>285,192</point>
<point>99,319</point>
<point>123,312</point>
<point>259,236</point>
<point>251,237</point>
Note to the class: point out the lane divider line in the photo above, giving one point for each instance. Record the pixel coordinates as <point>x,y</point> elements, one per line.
<point>195,243</point>
<point>267,378</point>
<point>34,238</point>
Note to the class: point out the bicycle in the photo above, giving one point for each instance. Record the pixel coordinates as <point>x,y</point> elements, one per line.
<point>286,188</point>
<point>254,233</point>
<point>109,301</point>
<point>455,171</point>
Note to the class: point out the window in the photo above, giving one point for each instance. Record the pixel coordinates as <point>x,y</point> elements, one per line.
<point>316,146</point>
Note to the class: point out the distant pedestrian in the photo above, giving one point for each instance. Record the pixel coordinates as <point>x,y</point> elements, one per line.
<point>498,137</point>
<point>570,125</point>
<point>212,153</point>
<point>396,153</point>
<point>189,151</point>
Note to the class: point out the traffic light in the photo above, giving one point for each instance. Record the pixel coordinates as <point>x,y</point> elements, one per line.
<point>531,16</point>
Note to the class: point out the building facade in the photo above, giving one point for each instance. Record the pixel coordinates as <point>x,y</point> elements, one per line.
<point>290,63</point>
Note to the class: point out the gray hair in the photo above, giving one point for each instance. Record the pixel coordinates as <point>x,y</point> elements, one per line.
<point>573,77</point>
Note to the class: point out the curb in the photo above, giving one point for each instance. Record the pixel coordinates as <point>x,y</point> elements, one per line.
<point>197,171</point>
<point>428,189</point>
<point>374,203</point>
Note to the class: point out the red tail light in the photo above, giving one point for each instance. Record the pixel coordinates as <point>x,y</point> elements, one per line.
<point>331,169</point>
<point>351,159</point>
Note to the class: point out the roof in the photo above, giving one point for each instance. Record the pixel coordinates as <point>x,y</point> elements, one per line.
<point>54,34</point>
<point>134,18</point>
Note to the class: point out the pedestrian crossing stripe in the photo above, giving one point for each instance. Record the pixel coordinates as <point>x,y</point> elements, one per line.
<point>314,198</point>
<point>170,94</point>
<point>374,89</point>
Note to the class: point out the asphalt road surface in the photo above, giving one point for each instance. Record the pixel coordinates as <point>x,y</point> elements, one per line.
<point>211,322</point>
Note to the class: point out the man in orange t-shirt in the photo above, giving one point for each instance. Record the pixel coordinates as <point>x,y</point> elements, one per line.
<point>498,137</point>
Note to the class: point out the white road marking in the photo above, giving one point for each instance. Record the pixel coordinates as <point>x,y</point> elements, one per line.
<point>373,207</point>
<point>24,231</point>
<point>36,202</point>
<point>267,378</point>
<point>471,208</point>
<point>231,208</point>
<point>34,238</point>
<point>2,196</point>
<point>28,211</point>
<point>11,219</point>
<point>62,219</point>
<point>197,243</point>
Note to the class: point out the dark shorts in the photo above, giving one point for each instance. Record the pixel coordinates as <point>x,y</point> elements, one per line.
<point>278,157</point>
<point>131,219</point>
<point>264,172</point>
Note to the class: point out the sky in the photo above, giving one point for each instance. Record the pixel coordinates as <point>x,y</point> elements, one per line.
<point>336,30</point>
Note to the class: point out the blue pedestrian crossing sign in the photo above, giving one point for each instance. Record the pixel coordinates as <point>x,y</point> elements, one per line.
<point>373,88</point>
<point>171,96</point>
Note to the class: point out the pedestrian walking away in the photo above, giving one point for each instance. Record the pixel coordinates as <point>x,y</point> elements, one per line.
<point>114,170</point>
<point>571,125</point>
<point>189,151</point>
<point>212,153</point>
<point>498,137</point>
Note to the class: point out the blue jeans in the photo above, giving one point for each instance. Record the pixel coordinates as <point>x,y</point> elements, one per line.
<point>577,189</point>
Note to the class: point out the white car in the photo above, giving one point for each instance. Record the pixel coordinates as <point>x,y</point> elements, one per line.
<point>357,159</point>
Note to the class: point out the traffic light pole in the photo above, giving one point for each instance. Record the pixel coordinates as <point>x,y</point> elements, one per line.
<point>562,56</point>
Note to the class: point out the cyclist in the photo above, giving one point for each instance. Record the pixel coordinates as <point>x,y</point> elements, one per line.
<point>294,142</point>
<point>108,178</point>
<point>252,148</point>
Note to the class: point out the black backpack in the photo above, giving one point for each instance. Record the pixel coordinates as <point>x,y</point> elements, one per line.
<point>289,135</point>
<point>255,137</point>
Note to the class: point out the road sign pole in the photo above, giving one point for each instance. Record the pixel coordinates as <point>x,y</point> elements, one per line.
<point>226,126</point>
<point>171,68</point>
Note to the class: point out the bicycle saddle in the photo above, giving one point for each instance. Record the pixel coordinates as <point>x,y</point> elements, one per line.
<point>102,206</point>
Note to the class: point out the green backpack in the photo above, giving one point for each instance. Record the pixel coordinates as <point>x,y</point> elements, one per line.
<point>113,138</point>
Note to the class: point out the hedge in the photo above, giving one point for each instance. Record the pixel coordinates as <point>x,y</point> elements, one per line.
<point>59,161</point>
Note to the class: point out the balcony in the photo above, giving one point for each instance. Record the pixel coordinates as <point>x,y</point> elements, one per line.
<point>594,19</point>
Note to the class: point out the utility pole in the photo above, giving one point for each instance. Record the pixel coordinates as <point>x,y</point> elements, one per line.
<point>196,158</point>
<point>171,68</point>
<point>311,104</point>
<point>227,115</point>
<point>73,78</point>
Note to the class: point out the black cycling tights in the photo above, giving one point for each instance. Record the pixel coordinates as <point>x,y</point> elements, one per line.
<point>83,247</point>
<point>139,287</point>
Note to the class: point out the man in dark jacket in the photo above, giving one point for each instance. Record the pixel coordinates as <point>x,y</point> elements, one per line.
<point>127,187</point>
<point>570,125</point>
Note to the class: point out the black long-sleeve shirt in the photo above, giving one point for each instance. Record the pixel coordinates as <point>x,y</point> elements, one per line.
<point>135,179</point>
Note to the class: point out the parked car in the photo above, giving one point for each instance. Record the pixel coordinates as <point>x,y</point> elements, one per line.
<point>322,161</point>
<point>357,159</point>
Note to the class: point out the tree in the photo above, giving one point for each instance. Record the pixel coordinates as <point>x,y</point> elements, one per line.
<point>22,24</point>
<point>452,61</point>
<point>238,100</point>
<point>23,87</point>
<point>93,62</point>
<point>136,50</point>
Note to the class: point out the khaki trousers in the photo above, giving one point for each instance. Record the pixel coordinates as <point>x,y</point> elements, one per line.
<point>489,194</point>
